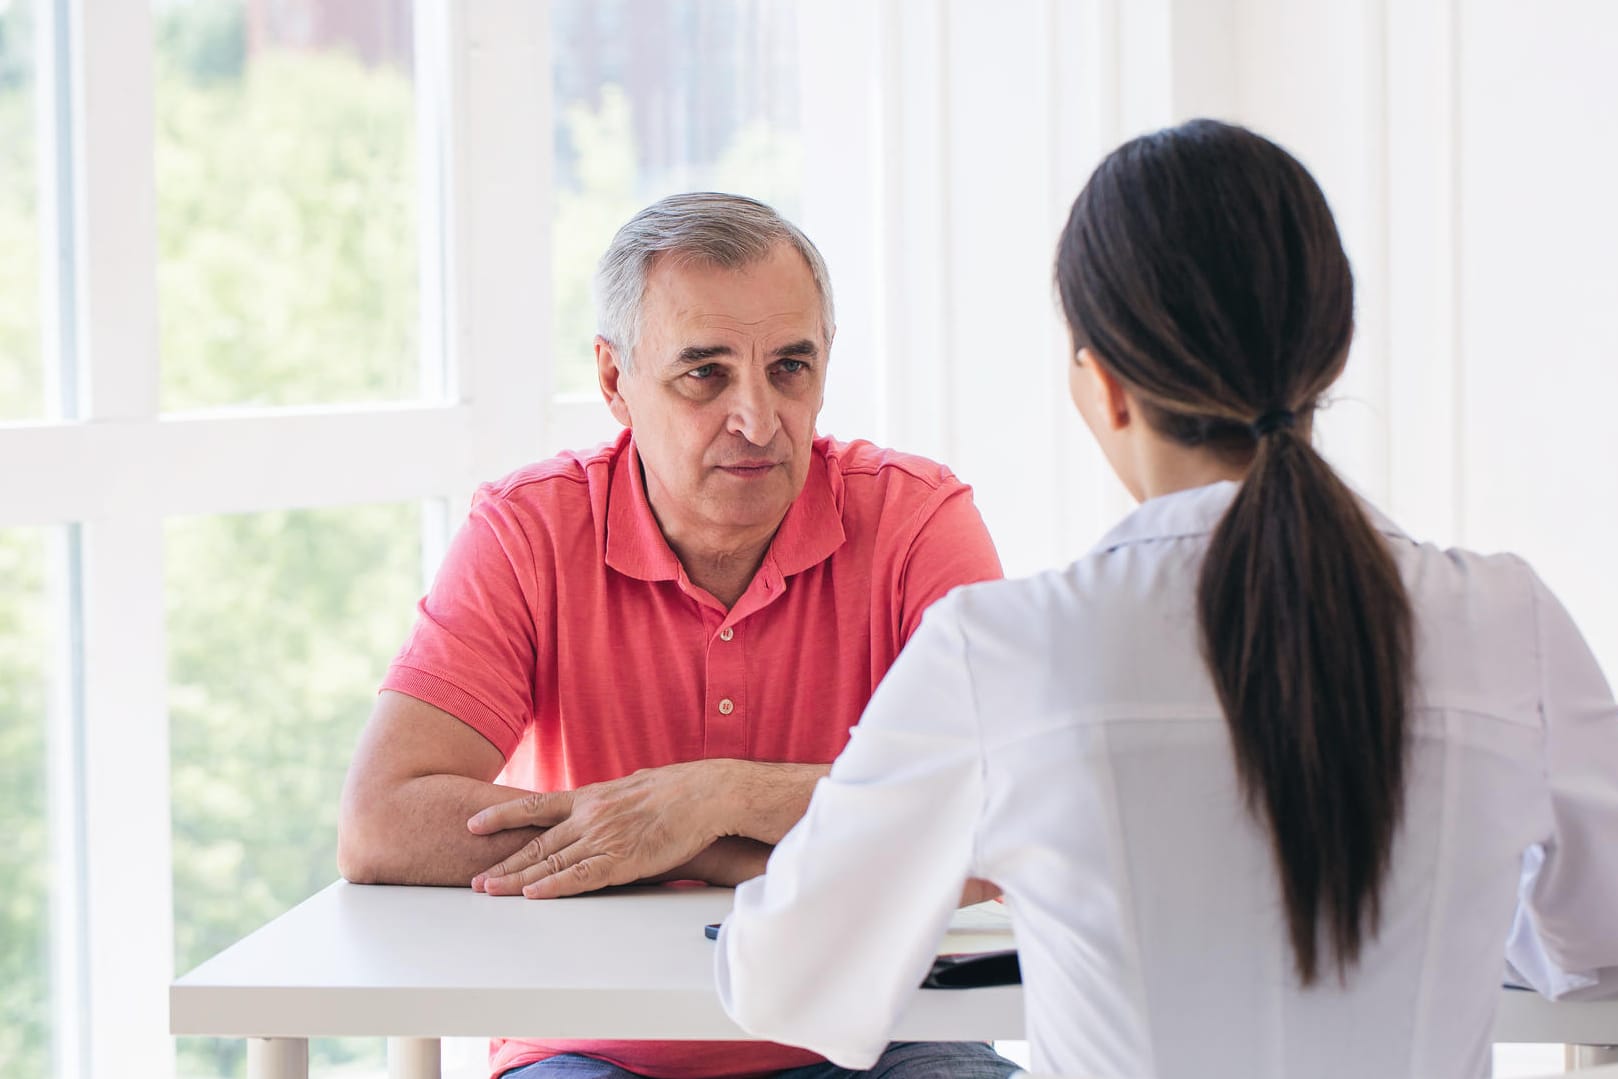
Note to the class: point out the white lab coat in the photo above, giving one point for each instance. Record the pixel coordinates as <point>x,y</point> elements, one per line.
<point>1060,736</point>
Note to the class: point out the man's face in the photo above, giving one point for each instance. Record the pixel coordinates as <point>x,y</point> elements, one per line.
<point>725,385</point>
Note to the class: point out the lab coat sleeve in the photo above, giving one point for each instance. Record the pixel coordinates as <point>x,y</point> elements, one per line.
<point>1564,942</point>
<point>826,950</point>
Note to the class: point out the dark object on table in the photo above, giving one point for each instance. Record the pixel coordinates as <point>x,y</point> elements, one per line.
<point>973,970</point>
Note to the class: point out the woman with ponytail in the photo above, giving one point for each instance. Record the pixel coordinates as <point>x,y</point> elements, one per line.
<point>1271,788</point>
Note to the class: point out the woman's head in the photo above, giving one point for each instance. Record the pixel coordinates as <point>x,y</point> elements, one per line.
<point>1202,267</point>
<point>1201,272</point>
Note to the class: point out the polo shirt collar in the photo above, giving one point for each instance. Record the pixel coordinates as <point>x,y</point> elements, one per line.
<point>1196,512</point>
<point>811,530</point>
<point>813,526</point>
<point>635,544</point>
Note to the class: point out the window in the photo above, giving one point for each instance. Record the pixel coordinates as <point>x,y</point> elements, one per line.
<point>287,202</point>
<point>652,99</point>
<point>26,660</point>
<point>279,628</point>
<point>22,393</point>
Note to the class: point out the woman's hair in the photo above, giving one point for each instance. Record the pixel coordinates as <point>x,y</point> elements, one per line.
<point>1201,266</point>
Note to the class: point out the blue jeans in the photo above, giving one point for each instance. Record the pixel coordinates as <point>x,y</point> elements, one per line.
<point>901,1060</point>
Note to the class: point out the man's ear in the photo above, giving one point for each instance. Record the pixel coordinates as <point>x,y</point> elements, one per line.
<point>609,373</point>
<point>1111,400</point>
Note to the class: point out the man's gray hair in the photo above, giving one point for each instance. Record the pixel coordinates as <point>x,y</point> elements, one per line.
<point>703,227</point>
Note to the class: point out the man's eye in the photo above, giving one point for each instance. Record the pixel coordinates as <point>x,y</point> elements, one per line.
<point>703,373</point>
<point>792,367</point>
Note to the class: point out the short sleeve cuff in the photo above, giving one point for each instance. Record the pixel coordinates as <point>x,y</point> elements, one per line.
<point>446,695</point>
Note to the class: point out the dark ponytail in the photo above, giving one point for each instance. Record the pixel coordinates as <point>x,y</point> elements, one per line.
<point>1202,267</point>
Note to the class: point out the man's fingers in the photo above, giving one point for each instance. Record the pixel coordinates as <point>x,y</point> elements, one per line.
<point>554,862</point>
<point>543,808</point>
<point>527,864</point>
<point>587,875</point>
<point>489,879</point>
<point>554,865</point>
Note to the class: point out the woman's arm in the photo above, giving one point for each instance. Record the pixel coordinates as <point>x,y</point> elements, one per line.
<point>828,947</point>
<point>1566,934</point>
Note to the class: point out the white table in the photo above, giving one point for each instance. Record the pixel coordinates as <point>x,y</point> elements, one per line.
<point>418,964</point>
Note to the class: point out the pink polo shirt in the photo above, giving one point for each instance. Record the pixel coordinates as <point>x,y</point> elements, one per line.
<point>563,629</point>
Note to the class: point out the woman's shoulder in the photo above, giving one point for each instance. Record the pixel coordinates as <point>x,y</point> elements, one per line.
<point>1109,615</point>
<point>1457,586</point>
<point>1068,591</point>
<point>1476,617</point>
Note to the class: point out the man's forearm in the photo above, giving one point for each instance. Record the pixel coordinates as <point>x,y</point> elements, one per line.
<point>764,801</point>
<point>414,832</point>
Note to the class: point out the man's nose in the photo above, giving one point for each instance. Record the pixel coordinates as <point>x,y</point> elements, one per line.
<point>753,414</point>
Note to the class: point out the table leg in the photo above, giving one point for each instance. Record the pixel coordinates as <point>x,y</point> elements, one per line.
<point>1588,1056</point>
<point>277,1058</point>
<point>414,1058</point>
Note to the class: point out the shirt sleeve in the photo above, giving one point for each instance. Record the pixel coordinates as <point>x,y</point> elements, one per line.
<point>951,547</point>
<point>474,648</point>
<point>1564,942</point>
<point>828,947</point>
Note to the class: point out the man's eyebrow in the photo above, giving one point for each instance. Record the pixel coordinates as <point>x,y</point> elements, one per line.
<point>703,353</point>
<point>804,347</point>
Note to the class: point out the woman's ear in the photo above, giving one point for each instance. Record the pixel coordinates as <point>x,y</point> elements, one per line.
<point>1108,402</point>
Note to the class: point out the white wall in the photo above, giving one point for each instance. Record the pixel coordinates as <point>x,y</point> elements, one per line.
<point>1469,149</point>
<point>1538,294</point>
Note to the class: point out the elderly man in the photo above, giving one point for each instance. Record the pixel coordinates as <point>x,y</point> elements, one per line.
<point>658,646</point>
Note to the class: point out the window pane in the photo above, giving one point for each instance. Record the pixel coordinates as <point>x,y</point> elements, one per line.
<point>286,190</point>
<point>25,856</point>
<point>652,99</point>
<point>280,626</point>
<point>21,367</point>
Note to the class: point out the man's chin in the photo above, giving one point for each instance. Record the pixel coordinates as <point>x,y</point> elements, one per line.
<point>748,505</point>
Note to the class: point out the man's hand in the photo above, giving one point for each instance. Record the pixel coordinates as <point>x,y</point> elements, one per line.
<point>727,863</point>
<point>619,832</point>
<point>979,891</point>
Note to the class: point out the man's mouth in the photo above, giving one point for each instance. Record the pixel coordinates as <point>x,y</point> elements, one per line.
<point>749,469</point>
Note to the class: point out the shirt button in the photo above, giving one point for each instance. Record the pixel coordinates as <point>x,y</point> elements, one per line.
<point>726,707</point>
<point>726,634</point>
